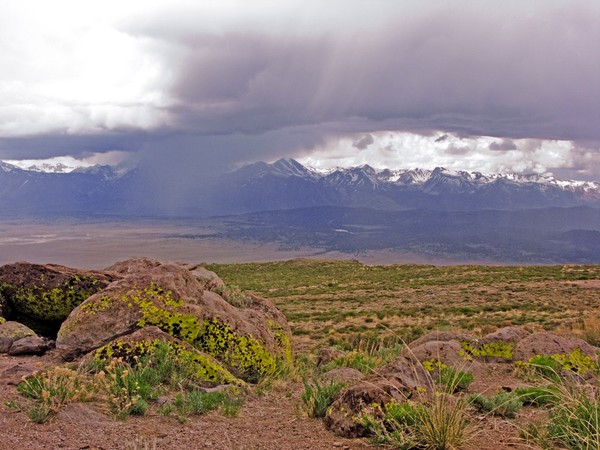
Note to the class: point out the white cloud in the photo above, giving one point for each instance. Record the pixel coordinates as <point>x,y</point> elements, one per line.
<point>402,150</point>
<point>67,68</point>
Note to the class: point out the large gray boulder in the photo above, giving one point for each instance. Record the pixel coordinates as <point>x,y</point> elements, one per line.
<point>247,341</point>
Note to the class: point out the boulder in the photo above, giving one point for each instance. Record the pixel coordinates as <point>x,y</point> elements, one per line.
<point>10,332</point>
<point>546,343</point>
<point>246,341</point>
<point>449,353</point>
<point>30,345</point>
<point>506,334</point>
<point>440,336</point>
<point>403,379</point>
<point>204,369</point>
<point>43,295</point>
<point>209,279</point>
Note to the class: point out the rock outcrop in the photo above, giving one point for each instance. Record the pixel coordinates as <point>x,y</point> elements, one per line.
<point>546,343</point>
<point>412,376</point>
<point>42,296</point>
<point>245,341</point>
<point>403,379</point>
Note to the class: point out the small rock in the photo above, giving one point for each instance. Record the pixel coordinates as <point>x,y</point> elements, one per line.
<point>11,332</point>
<point>31,345</point>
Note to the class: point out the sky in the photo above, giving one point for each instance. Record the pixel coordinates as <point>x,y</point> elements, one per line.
<point>190,88</point>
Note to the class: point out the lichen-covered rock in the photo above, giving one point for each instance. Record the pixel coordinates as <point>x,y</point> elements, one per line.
<point>204,369</point>
<point>403,379</point>
<point>11,332</point>
<point>505,334</point>
<point>149,293</point>
<point>449,353</point>
<point>545,343</point>
<point>42,296</point>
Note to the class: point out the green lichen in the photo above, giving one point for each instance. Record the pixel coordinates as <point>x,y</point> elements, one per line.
<point>245,355</point>
<point>282,340</point>
<point>498,349</point>
<point>2,320</point>
<point>44,308</point>
<point>203,368</point>
<point>550,365</point>
<point>154,304</point>
<point>97,305</point>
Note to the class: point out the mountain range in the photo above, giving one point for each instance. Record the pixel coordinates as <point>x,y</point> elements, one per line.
<point>452,215</point>
<point>287,184</point>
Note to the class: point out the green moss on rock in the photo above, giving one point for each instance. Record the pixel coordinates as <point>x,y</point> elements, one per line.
<point>245,355</point>
<point>44,308</point>
<point>282,340</point>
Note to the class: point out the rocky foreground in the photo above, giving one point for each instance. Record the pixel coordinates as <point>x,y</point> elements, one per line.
<point>52,316</point>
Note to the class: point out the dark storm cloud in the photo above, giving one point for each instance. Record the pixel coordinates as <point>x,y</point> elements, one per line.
<point>275,85</point>
<point>363,142</point>
<point>503,146</point>
<point>511,72</point>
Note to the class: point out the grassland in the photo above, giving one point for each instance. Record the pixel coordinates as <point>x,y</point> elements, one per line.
<point>347,303</point>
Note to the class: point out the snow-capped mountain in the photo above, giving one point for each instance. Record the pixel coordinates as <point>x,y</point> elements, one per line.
<point>287,184</point>
<point>283,185</point>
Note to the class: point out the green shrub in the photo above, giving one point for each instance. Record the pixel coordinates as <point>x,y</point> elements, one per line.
<point>356,360</point>
<point>317,398</point>
<point>575,422</point>
<point>440,424</point>
<point>538,396</point>
<point>197,402</point>
<point>51,389</point>
<point>503,404</point>
<point>449,378</point>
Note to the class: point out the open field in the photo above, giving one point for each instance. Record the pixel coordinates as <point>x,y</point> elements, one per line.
<point>345,302</point>
<point>95,244</point>
<point>366,309</point>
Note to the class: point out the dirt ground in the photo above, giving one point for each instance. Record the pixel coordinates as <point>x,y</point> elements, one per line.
<point>271,421</point>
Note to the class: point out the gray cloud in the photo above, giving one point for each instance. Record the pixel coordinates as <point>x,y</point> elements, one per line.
<point>458,150</point>
<point>532,77</point>
<point>363,142</point>
<point>503,146</point>
<point>245,90</point>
